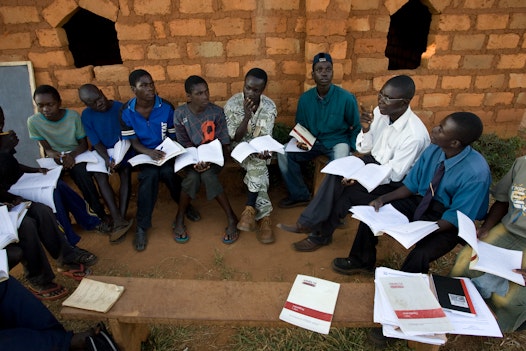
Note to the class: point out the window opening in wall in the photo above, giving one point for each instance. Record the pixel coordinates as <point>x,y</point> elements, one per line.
<point>407,36</point>
<point>92,40</point>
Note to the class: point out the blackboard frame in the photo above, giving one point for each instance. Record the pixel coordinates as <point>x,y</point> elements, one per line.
<point>17,84</point>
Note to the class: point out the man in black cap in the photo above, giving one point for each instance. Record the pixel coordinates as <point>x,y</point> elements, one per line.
<point>331,114</point>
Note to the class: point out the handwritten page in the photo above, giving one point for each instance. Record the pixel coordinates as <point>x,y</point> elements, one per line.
<point>94,296</point>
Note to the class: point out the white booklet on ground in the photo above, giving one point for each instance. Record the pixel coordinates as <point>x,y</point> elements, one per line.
<point>116,153</point>
<point>311,303</point>
<point>171,149</point>
<point>210,152</point>
<point>489,258</point>
<point>303,135</point>
<point>49,163</point>
<point>38,187</point>
<point>390,221</point>
<point>256,145</point>
<point>351,167</point>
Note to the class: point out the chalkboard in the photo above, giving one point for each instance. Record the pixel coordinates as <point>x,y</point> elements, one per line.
<point>17,84</point>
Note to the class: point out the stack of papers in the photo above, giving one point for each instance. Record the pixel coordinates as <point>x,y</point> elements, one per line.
<point>351,167</point>
<point>311,303</point>
<point>116,153</point>
<point>407,308</point>
<point>390,221</point>
<point>38,187</point>
<point>489,258</point>
<point>49,163</point>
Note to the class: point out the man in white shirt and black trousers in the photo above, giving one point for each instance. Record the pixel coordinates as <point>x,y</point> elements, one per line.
<point>391,135</point>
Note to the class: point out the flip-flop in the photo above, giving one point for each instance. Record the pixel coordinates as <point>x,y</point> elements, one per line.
<point>78,273</point>
<point>230,238</point>
<point>51,294</point>
<point>119,233</point>
<point>181,237</point>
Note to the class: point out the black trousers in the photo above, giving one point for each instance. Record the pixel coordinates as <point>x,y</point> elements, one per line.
<point>430,248</point>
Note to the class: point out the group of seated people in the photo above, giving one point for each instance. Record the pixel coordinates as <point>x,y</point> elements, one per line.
<point>432,174</point>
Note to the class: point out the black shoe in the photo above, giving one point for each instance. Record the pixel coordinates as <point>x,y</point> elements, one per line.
<point>350,267</point>
<point>289,203</point>
<point>140,240</point>
<point>308,245</point>
<point>192,214</point>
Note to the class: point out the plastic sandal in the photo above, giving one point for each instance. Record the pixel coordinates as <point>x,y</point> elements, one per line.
<point>181,237</point>
<point>77,273</point>
<point>84,257</point>
<point>230,238</point>
<point>54,293</point>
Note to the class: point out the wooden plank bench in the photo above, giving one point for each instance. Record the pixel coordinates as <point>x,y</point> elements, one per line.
<point>176,301</point>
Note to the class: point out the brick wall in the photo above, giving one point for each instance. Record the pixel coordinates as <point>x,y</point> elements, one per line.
<point>475,60</point>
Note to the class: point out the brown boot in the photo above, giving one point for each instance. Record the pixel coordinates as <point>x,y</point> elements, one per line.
<point>265,234</point>
<point>247,223</point>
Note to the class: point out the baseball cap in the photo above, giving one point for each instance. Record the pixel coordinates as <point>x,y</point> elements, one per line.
<point>321,57</point>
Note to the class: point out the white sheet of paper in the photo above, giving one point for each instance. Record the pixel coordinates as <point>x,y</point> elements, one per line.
<point>490,259</point>
<point>291,146</point>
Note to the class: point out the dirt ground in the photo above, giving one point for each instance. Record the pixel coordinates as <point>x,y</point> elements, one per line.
<point>204,256</point>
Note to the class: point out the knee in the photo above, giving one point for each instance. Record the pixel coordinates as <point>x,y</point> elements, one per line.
<point>340,150</point>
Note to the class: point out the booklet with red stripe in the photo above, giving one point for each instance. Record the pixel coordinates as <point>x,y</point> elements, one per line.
<point>414,304</point>
<point>311,303</point>
<point>302,135</point>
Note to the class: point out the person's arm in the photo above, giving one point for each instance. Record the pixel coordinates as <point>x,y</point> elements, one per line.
<point>140,148</point>
<point>400,193</point>
<point>27,169</point>
<point>50,152</point>
<point>68,159</point>
<point>248,111</point>
<point>103,152</point>
<point>497,211</point>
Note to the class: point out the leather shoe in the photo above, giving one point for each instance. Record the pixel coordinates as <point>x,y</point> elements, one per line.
<point>289,203</point>
<point>140,240</point>
<point>307,245</point>
<point>265,234</point>
<point>348,266</point>
<point>192,213</point>
<point>297,228</point>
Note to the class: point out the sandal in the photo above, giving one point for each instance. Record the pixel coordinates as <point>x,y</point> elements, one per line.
<point>54,292</point>
<point>180,237</point>
<point>119,232</point>
<point>76,272</point>
<point>84,257</point>
<point>230,238</point>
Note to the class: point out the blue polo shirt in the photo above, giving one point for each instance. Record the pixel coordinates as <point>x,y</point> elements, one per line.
<point>102,127</point>
<point>332,119</point>
<point>464,187</point>
<point>150,131</point>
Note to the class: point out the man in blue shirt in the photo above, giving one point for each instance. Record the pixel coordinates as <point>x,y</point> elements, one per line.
<point>330,113</point>
<point>146,120</point>
<point>464,186</point>
<point>100,119</point>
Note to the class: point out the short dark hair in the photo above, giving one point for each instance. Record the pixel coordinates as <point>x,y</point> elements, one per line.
<point>192,81</point>
<point>136,75</point>
<point>404,84</point>
<point>47,89</point>
<point>257,73</point>
<point>469,127</point>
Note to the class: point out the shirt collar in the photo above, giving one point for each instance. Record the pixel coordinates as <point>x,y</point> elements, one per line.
<point>400,123</point>
<point>158,102</point>
<point>451,162</point>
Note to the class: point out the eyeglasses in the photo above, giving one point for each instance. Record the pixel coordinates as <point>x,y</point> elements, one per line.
<point>388,99</point>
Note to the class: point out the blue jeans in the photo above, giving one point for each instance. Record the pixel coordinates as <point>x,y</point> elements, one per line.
<point>290,167</point>
<point>66,201</point>
<point>26,324</point>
